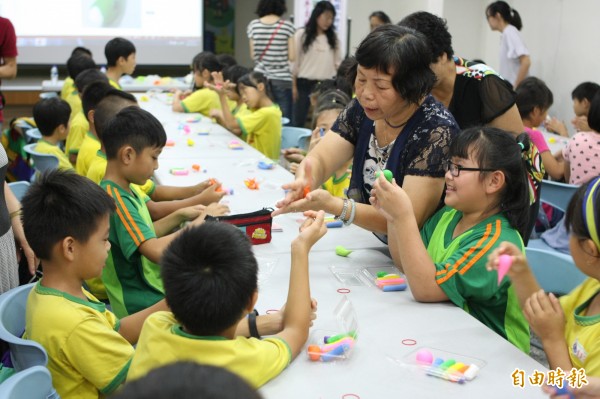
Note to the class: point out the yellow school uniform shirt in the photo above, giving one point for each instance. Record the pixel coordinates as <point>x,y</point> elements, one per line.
<point>68,88</point>
<point>262,128</point>
<point>77,131</point>
<point>45,147</point>
<point>163,341</point>
<point>338,186</point>
<point>74,102</point>
<point>97,171</point>
<point>114,84</point>
<point>582,332</point>
<point>87,153</point>
<point>202,101</point>
<point>86,354</point>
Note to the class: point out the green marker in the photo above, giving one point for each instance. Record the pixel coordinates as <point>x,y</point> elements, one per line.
<point>386,173</point>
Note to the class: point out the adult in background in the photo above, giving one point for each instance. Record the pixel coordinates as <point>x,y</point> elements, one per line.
<point>393,123</point>
<point>317,57</point>
<point>11,233</point>
<point>8,57</point>
<point>473,92</point>
<point>514,55</point>
<point>271,48</point>
<point>378,18</point>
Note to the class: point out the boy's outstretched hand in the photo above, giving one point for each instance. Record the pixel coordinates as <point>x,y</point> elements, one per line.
<point>311,230</point>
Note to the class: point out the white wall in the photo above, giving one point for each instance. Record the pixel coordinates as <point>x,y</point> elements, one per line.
<point>562,35</point>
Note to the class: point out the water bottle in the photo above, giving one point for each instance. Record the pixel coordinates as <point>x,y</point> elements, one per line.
<point>54,74</point>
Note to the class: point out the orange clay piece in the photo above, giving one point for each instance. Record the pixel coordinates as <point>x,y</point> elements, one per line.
<point>213,181</point>
<point>306,191</point>
<point>252,184</point>
<point>196,167</point>
<point>314,352</point>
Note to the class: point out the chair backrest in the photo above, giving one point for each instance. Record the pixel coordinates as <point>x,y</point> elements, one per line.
<point>41,162</point>
<point>33,135</point>
<point>19,188</point>
<point>557,194</point>
<point>293,136</point>
<point>24,353</point>
<point>33,383</point>
<point>555,272</point>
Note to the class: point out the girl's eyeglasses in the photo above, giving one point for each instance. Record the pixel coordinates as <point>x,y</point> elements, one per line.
<point>456,169</point>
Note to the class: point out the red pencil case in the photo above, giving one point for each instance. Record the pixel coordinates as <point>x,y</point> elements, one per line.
<point>256,225</point>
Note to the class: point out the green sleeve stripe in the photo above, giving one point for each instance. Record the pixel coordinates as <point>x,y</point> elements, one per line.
<point>289,350</point>
<point>242,128</point>
<point>118,380</point>
<point>117,325</point>
<point>185,108</point>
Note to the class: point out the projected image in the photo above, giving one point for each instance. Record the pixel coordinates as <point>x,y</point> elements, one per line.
<point>111,13</point>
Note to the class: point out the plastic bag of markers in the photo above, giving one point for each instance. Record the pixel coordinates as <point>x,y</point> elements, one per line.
<point>330,345</point>
<point>256,225</point>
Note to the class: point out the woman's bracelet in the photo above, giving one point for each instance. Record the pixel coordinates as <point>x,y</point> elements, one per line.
<point>352,213</point>
<point>18,212</point>
<point>344,210</point>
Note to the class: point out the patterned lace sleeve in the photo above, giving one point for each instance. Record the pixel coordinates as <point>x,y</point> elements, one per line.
<point>349,121</point>
<point>430,152</point>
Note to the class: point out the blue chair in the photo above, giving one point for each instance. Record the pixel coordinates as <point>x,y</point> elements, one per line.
<point>294,136</point>
<point>19,188</point>
<point>555,272</point>
<point>33,135</point>
<point>557,194</point>
<point>41,162</point>
<point>33,383</point>
<point>24,353</point>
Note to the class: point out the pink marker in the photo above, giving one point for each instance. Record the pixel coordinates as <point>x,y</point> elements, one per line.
<point>504,263</point>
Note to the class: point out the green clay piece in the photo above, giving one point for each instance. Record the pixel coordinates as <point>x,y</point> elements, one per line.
<point>382,274</point>
<point>386,173</point>
<point>341,251</point>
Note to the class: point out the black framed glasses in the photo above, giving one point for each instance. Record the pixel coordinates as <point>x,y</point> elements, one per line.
<point>455,169</point>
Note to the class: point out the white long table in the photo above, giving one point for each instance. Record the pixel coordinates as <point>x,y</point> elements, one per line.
<point>382,362</point>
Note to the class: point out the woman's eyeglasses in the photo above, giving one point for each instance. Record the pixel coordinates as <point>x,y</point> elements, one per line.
<point>456,169</point>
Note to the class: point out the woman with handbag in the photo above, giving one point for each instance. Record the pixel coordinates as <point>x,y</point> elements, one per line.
<point>272,48</point>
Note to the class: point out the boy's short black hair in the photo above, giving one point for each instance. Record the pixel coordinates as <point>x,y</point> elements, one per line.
<point>226,60</point>
<point>61,204</point>
<point>78,63</point>
<point>50,113</point>
<point>403,53</point>
<point>93,94</point>
<point>113,101</point>
<point>117,48</point>
<point>585,90</point>
<point>82,51</point>
<point>188,380</point>
<point>531,93</point>
<point>234,73</point>
<point>209,275</point>
<point>135,127</point>
<point>594,113</point>
<point>435,31</point>
<point>89,76</point>
<point>206,60</point>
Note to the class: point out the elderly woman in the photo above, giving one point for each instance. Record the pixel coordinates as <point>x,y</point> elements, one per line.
<point>393,123</point>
